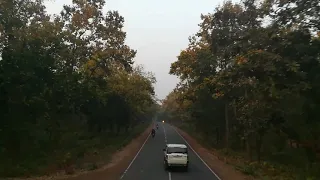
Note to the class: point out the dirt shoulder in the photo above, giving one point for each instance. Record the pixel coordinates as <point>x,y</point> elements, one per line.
<point>119,162</point>
<point>222,169</point>
<point>111,171</point>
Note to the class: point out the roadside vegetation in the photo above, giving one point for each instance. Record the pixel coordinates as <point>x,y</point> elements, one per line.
<point>250,87</point>
<point>70,92</point>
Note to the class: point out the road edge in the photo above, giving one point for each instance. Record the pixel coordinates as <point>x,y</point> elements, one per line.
<point>210,160</point>
<point>179,132</point>
<point>114,170</point>
<point>134,158</point>
<point>119,163</point>
<point>125,163</point>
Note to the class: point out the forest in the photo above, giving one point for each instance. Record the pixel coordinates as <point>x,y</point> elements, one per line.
<point>250,87</point>
<point>69,87</point>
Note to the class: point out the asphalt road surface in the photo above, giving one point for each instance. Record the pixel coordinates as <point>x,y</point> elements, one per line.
<point>148,163</point>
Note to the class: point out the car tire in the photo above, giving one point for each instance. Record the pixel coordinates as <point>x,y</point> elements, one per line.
<point>165,164</point>
<point>186,169</point>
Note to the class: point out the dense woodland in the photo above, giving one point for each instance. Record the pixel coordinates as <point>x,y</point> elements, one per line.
<point>250,85</point>
<point>68,86</point>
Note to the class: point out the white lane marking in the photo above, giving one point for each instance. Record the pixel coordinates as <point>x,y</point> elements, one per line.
<point>134,157</point>
<point>165,140</point>
<point>165,134</point>
<point>197,154</point>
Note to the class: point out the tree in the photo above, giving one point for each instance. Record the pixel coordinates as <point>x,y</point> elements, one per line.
<point>253,82</point>
<point>66,82</point>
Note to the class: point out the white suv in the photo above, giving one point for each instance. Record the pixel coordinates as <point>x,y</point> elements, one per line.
<point>176,155</point>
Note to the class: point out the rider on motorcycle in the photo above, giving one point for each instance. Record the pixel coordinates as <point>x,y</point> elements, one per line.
<point>157,126</point>
<point>153,132</point>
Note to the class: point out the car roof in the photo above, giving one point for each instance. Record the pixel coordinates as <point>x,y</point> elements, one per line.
<point>177,145</point>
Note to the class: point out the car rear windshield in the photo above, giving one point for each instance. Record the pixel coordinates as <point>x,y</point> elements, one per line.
<point>176,150</point>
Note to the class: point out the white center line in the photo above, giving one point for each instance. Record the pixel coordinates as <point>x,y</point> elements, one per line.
<point>165,140</point>
<point>165,134</point>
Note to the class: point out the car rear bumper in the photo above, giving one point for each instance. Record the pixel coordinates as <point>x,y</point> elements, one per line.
<point>177,165</point>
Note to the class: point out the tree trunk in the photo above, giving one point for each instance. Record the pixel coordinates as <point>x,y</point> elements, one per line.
<point>258,146</point>
<point>227,125</point>
<point>127,128</point>
<point>118,129</point>
<point>243,144</point>
<point>217,135</point>
<point>249,147</point>
<point>234,109</point>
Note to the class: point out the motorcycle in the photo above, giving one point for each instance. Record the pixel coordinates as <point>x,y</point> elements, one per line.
<point>157,127</point>
<point>153,134</point>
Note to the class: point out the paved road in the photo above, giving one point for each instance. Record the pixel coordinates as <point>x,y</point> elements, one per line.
<point>148,164</point>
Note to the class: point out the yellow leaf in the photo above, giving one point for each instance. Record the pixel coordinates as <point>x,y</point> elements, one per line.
<point>91,63</point>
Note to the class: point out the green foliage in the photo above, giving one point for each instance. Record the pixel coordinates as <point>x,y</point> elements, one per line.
<point>67,84</point>
<point>253,86</point>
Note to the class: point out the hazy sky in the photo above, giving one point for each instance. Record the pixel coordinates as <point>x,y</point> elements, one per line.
<point>158,30</point>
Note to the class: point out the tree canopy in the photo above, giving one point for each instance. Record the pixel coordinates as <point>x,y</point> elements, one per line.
<point>65,79</point>
<point>250,80</point>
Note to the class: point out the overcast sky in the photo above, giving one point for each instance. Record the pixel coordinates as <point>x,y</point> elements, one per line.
<point>158,30</point>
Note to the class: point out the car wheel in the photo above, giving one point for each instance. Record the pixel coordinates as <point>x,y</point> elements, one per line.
<point>186,169</point>
<point>166,167</point>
